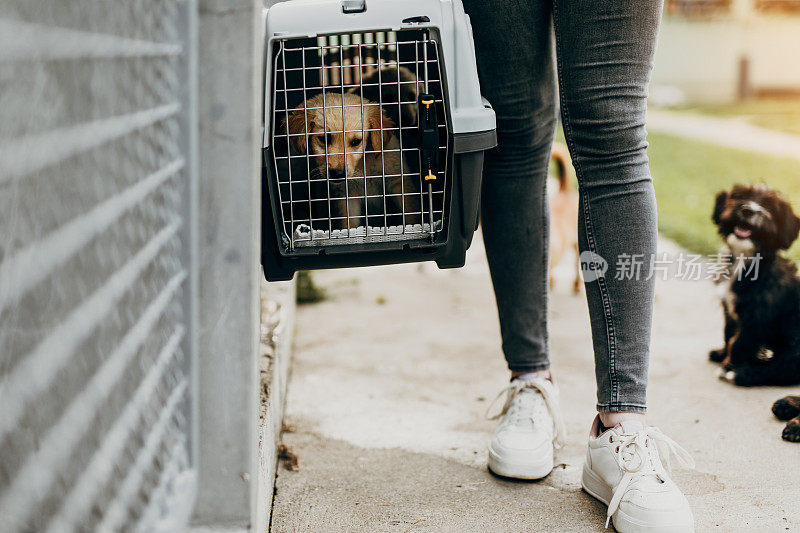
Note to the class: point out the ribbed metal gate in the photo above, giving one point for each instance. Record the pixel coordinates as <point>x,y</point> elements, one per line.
<point>97,181</point>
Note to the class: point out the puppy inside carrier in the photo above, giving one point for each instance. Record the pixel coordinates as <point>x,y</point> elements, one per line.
<point>374,134</point>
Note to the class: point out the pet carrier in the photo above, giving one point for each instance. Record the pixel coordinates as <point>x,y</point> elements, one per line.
<point>375,130</point>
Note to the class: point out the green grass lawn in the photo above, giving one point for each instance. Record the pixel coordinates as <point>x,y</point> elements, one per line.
<point>777,114</point>
<point>688,174</point>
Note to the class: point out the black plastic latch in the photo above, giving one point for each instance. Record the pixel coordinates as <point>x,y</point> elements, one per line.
<point>420,19</point>
<point>428,138</point>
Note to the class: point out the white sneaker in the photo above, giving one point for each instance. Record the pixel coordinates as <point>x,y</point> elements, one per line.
<point>522,445</point>
<point>623,469</point>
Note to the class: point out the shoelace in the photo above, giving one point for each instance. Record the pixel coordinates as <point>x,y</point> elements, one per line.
<point>636,446</point>
<point>546,389</point>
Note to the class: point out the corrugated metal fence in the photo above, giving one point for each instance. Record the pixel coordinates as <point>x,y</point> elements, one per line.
<point>97,180</point>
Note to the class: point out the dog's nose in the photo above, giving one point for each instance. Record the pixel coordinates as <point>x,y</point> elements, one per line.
<point>335,173</point>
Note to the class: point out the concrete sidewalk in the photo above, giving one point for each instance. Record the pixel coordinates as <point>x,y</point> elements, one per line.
<point>728,132</point>
<point>392,377</point>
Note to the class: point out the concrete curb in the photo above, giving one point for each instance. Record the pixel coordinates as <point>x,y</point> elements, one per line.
<point>277,333</point>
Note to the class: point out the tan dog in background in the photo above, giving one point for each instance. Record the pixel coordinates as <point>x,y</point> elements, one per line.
<point>563,216</point>
<point>345,140</point>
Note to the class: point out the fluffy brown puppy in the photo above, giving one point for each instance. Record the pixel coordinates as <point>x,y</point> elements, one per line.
<point>353,147</point>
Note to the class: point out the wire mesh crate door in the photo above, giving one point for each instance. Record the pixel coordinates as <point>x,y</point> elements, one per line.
<point>347,135</point>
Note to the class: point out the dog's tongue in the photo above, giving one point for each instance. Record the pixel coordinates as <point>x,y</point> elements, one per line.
<point>742,233</point>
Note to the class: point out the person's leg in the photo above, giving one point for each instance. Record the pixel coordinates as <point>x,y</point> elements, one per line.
<point>605,54</point>
<point>513,45</point>
<point>514,51</point>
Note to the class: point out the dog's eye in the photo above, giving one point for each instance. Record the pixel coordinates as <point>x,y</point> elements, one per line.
<point>355,142</point>
<point>328,139</point>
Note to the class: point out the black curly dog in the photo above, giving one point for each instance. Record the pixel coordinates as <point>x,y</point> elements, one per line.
<point>762,301</point>
<point>762,298</point>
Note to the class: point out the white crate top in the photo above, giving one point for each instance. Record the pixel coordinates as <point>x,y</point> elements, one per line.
<point>310,18</point>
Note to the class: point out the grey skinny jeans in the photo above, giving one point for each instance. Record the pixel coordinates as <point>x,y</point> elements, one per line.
<point>603,58</point>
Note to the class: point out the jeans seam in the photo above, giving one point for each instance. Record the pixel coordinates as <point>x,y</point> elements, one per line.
<point>587,220</point>
<point>545,210</point>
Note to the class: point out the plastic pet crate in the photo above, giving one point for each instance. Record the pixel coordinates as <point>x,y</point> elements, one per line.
<point>375,130</point>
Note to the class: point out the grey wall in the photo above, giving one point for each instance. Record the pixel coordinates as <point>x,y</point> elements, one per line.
<point>97,204</point>
<point>229,147</point>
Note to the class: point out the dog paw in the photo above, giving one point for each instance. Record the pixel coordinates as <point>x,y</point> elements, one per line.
<point>717,356</point>
<point>726,375</point>
<point>744,377</point>
<point>785,409</point>
<point>791,432</point>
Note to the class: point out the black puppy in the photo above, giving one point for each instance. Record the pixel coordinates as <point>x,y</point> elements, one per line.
<point>789,409</point>
<point>396,88</point>
<point>761,301</point>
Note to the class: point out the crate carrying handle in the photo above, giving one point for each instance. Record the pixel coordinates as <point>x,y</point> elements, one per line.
<point>354,6</point>
<point>429,137</point>
<point>428,134</point>
<point>428,148</point>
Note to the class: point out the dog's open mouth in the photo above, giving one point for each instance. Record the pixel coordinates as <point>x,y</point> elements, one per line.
<point>742,233</point>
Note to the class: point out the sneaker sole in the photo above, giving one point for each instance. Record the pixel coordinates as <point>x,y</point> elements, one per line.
<point>519,470</point>
<point>623,523</point>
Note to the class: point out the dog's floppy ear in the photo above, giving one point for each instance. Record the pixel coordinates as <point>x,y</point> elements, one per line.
<point>381,129</point>
<point>788,225</point>
<point>719,205</point>
<point>297,125</point>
